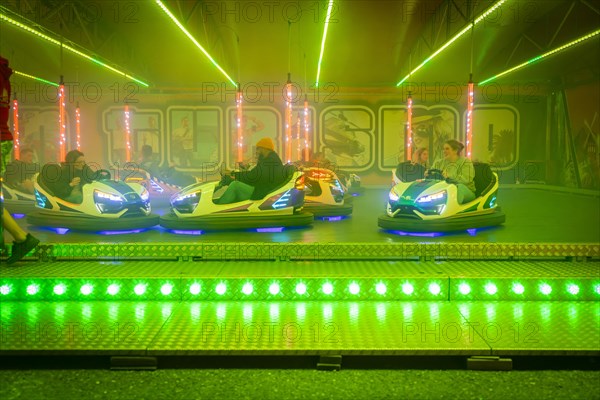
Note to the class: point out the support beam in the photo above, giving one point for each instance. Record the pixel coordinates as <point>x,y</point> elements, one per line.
<point>491,363</point>
<point>330,363</point>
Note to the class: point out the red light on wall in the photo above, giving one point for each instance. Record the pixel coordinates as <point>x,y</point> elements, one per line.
<point>16,136</point>
<point>240,130</point>
<point>306,131</point>
<point>470,101</point>
<point>127,134</point>
<point>409,105</point>
<point>288,121</point>
<point>78,126</point>
<point>62,123</point>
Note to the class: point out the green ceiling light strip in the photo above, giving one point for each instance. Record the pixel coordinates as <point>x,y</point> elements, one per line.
<point>189,35</point>
<point>34,78</point>
<point>449,42</point>
<point>6,18</point>
<point>526,63</point>
<point>329,8</point>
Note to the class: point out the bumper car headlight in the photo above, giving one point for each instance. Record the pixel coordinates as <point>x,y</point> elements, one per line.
<point>431,198</point>
<point>108,202</point>
<point>186,203</point>
<point>394,196</point>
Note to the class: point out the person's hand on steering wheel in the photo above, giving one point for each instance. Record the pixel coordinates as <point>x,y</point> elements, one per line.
<point>435,174</point>
<point>226,178</point>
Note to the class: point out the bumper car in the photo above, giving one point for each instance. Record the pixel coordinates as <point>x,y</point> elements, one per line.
<point>17,201</point>
<point>194,208</point>
<point>325,194</point>
<point>351,183</point>
<point>107,205</point>
<point>163,180</point>
<point>431,205</point>
<point>161,185</point>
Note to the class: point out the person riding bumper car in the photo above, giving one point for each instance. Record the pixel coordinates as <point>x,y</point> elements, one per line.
<point>106,204</point>
<point>432,204</point>
<point>197,208</point>
<point>269,195</point>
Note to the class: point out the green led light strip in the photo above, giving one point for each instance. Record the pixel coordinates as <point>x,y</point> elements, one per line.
<point>329,8</point>
<point>189,35</point>
<point>449,42</point>
<point>534,59</point>
<point>4,17</point>
<point>314,289</point>
<point>34,78</point>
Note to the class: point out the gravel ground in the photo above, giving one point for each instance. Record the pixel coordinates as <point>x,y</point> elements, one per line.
<point>298,384</point>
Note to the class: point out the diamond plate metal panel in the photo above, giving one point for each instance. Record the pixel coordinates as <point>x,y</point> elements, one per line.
<point>80,328</point>
<point>112,269</point>
<point>302,328</point>
<point>315,251</point>
<point>540,328</point>
<point>320,268</point>
<point>503,269</point>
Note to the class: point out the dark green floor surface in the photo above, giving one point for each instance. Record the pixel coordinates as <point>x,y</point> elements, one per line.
<point>298,384</point>
<point>532,216</point>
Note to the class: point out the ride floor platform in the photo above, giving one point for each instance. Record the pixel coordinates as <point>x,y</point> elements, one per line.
<point>375,328</point>
<point>184,326</point>
<point>557,224</point>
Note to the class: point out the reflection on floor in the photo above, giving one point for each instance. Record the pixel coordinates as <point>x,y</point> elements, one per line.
<point>532,216</point>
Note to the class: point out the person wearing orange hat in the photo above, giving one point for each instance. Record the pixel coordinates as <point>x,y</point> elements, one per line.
<point>254,184</point>
<point>23,242</point>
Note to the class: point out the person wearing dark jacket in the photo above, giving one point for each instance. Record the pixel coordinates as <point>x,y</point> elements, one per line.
<point>254,184</point>
<point>74,173</point>
<point>19,173</point>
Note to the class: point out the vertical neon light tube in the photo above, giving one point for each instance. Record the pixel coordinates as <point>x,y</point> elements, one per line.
<point>240,131</point>
<point>298,142</point>
<point>470,102</point>
<point>62,123</point>
<point>17,143</point>
<point>306,130</point>
<point>127,134</point>
<point>78,126</point>
<point>288,120</point>
<point>409,109</point>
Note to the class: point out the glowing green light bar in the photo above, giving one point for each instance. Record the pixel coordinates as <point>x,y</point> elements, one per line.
<point>34,78</point>
<point>274,289</point>
<point>189,35</point>
<point>309,289</point>
<point>329,7</point>
<point>4,17</point>
<point>526,63</point>
<point>195,288</point>
<point>449,42</point>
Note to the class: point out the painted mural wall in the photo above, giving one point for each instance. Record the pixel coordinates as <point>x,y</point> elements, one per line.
<point>359,131</point>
